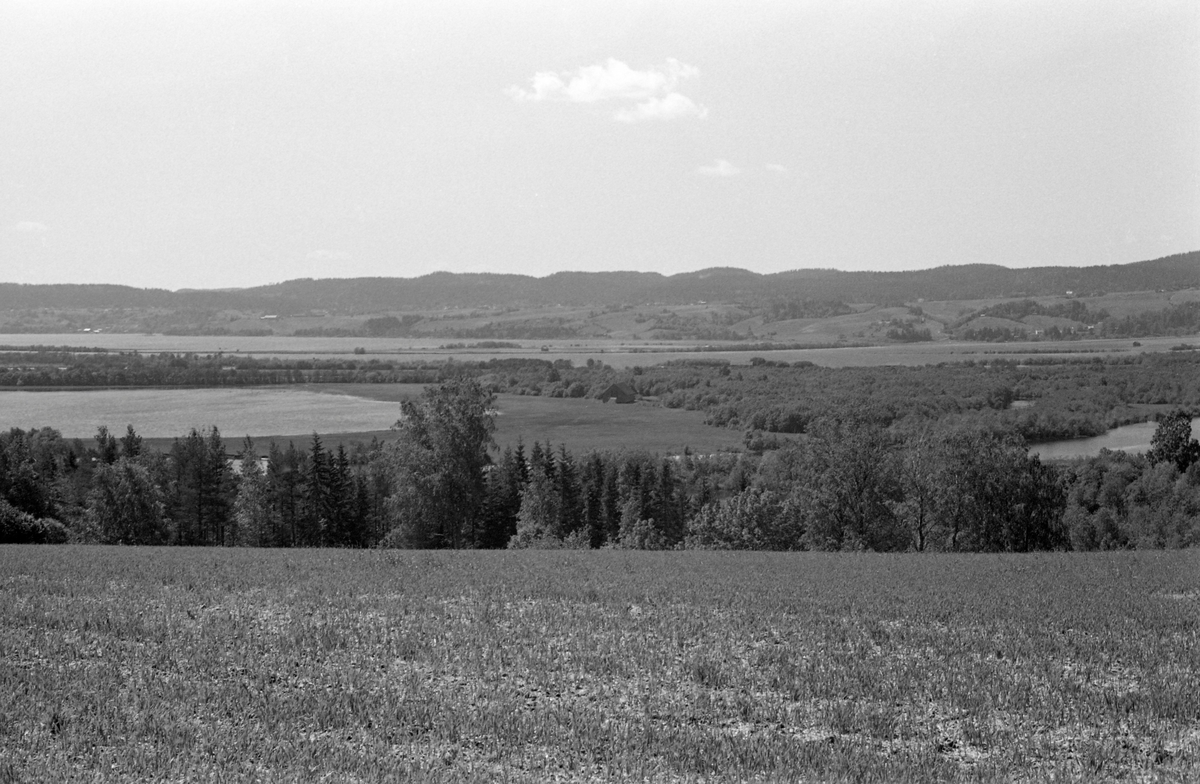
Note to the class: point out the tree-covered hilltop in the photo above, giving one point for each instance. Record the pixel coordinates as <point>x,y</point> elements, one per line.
<point>474,290</point>
<point>847,484</point>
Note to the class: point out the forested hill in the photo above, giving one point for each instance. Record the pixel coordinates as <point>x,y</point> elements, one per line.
<point>443,289</point>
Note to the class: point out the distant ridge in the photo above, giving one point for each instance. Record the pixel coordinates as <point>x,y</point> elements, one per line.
<point>473,290</point>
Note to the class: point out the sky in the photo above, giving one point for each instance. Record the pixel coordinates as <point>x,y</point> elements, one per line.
<point>186,144</point>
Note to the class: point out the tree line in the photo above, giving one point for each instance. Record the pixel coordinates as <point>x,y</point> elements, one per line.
<point>847,484</point>
<point>1068,398</point>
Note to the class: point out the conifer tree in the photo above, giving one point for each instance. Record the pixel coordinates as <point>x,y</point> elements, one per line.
<point>566,484</point>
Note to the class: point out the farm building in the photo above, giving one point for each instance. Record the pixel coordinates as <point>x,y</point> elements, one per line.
<point>620,393</point>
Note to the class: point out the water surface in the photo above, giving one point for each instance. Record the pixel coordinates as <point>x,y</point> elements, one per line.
<point>1127,438</point>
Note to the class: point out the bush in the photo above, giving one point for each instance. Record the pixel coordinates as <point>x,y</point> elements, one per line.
<point>17,527</point>
<point>754,519</point>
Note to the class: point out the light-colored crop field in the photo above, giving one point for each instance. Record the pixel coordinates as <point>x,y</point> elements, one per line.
<point>351,412</point>
<point>166,413</point>
<point>203,665</point>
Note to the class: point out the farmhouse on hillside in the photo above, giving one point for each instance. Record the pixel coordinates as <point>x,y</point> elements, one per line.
<point>620,393</point>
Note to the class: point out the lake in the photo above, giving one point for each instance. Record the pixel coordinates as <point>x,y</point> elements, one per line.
<point>1127,438</point>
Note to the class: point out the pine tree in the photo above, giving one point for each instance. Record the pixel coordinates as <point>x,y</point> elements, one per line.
<point>591,482</point>
<point>219,477</point>
<point>611,504</point>
<point>203,488</point>
<point>131,443</point>
<point>317,486</point>
<point>286,470</point>
<point>566,484</point>
<point>505,483</point>
<point>106,446</point>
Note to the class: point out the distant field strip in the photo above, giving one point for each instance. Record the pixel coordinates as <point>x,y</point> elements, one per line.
<point>618,354</point>
<point>165,413</point>
<point>359,410</point>
<point>135,664</point>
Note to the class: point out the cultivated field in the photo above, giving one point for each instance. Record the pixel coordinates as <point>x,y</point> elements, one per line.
<point>167,413</point>
<point>154,664</point>
<point>581,424</point>
<point>348,412</point>
<point>618,354</point>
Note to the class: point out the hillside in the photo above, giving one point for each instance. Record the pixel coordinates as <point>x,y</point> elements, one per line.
<point>351,296</point>
<point>726,285</point>
<point>810,305</point>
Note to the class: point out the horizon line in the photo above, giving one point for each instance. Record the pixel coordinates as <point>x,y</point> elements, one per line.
<point>617,272</point>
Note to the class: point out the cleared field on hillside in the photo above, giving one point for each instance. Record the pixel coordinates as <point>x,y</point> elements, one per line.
<point>134,664</point>
<point>347,412</point>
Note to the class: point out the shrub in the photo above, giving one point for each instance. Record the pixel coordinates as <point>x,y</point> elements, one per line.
<point>17,527</point>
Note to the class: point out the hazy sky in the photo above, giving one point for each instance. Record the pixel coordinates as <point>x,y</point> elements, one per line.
<point>216,144</point>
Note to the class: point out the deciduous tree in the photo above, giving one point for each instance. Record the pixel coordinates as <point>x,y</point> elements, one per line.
<point>439,459</point>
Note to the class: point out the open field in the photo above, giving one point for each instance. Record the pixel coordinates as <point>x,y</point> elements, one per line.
<point>132,664</point>
<point>347,412</point>
<point>581,424</point>
<point>167,413</point>
<point>617,354</point>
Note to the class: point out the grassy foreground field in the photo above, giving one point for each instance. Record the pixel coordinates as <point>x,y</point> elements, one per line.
<point>157,664</point>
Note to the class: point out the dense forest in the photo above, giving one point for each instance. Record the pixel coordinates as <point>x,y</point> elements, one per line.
<point>847,483</point>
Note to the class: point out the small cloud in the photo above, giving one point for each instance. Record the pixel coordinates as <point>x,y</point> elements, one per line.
<point>653,91</point>
<point>719,168</point>
<point>670,107</point>
<point>28,227</point>
<point>776,167</point>
<point>327,255</point>
<point>546,86</point>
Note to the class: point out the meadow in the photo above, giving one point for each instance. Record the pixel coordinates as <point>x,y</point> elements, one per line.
<point>134,664</point>
<point>166,413</point>
<point>348,412</point>
<point>580,424</point>
<point>620,354</point>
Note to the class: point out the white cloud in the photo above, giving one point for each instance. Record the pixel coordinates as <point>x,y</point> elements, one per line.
<point>653,90</point>
<point>546,86</point>
<point>719,168</point>
<point>28,227</point>
<point>776,167</point>
<point>669,107</point>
